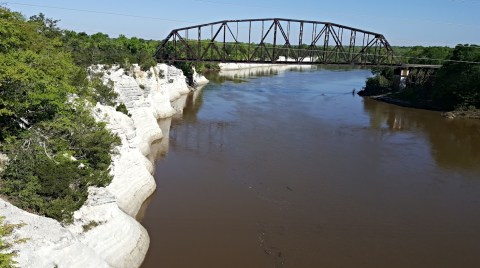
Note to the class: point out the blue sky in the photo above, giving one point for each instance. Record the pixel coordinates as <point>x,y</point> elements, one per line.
<point>406,22</point>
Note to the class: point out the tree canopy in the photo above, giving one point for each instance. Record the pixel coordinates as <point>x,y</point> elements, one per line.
<point>56,148</point>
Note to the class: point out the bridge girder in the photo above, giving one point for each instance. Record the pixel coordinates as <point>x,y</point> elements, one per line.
<point>276,40</point>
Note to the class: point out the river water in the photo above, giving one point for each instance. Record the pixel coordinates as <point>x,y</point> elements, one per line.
<point>290,169</point>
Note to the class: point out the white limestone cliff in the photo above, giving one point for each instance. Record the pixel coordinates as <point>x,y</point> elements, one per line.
<point>104,232</point>
<point>243,70</point>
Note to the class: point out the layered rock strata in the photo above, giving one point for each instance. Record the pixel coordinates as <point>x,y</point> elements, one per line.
<point>105,232</point>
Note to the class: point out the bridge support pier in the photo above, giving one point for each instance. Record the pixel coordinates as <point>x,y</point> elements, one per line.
<point>400,75</point>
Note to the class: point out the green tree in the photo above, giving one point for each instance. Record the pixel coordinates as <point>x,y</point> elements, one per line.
<point>56,148</point>
<point>35,75</point>
<point>458,81</point>
<point>53,164</point>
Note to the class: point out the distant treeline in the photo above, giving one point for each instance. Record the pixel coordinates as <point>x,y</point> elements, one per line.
<point>100,48</point>
<point>423,55</point>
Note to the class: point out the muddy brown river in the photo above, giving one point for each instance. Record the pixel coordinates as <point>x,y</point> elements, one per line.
<point>290,169</point>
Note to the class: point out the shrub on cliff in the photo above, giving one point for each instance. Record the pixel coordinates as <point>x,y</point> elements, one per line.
<point>123,109</point>
<point>55,147</point>
<point>104,92</point>
<point>52,165</point>
<point>6,259</point>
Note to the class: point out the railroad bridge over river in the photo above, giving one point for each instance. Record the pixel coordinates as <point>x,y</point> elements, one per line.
<point>279,41</point>
<point>284,41</point>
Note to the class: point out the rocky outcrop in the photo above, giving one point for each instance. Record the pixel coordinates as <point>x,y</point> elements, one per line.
<point>198,79</point>
<point>104,232</point>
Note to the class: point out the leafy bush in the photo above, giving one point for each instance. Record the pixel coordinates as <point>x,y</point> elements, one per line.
<point>146,61</point>
<point>161,75</point>
<point>381,83</point>
<point>52,166</point>
<point>103,93</point>
<point>123,109</point>
<point>378,81</point>
<point>89,226</point>
<point>6,259</point>
<point>203,67</point>
<point>36,75</point>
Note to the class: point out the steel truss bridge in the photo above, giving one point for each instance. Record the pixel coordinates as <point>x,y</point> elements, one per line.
<point>275,40</point>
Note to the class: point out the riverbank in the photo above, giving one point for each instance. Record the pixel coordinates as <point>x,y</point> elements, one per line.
<point>105,232</point>
<point>393,98</point>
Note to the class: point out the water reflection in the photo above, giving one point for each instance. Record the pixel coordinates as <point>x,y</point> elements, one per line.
<point>204,137</point>
<point>241,75</point>
<point>454,144</point>
<point>267,175</point>
<point>186,107</point>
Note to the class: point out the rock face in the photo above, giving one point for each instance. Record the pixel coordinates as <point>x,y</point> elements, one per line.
<point>105,232</point>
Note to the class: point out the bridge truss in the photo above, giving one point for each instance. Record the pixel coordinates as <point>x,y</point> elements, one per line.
<point>282,41</point>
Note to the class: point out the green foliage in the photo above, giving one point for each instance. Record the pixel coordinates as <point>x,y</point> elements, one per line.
<point>146,61</point>
<point>103,92</point>
<point>6,259</point>
<point>46,26</point>
<point>424,55</point>
<point>99,48</point>
<point>186,68</point>
<point>89,226</point>
<point>123,109</point>
<point>458,83</point>
<point>378,81</point>
<point>52,165</point>
<point>455,86</point>
<point>381,83</point>
<point>56,149</point>
<point>203,67</point>
<point>35,74</point>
